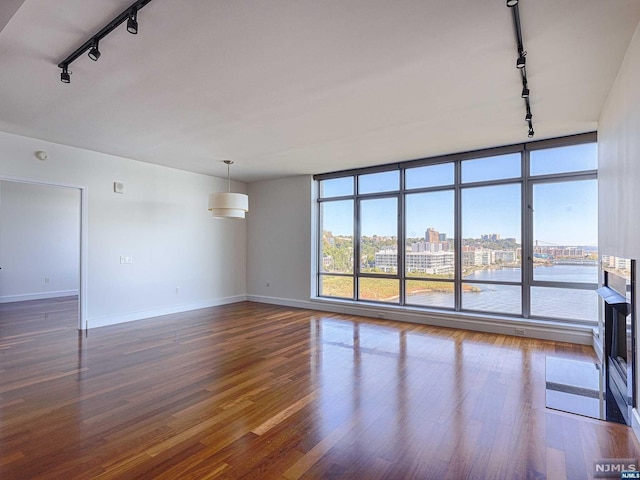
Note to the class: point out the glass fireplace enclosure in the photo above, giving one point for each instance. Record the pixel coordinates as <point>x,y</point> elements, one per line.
<point>619,340</point>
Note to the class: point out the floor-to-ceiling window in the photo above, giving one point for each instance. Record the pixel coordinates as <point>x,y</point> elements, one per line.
<point>563,195</point>
<point>508,231</point>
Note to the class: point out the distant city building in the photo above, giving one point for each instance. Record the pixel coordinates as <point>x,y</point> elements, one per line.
<point>616,263</point>
<point>428,262</point>
<point>478,257</point>
<point>427,247</point>
<point>387,260</point>
<point>418,247</point>
<point>432,235</point>
<point>432,263</point>
<point>505,256</point>
<point>491,237</point>
<point>558,252</point>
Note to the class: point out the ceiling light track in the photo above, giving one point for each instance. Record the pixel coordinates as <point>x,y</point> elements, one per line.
<point>521,62</point>
<point>130,15</point>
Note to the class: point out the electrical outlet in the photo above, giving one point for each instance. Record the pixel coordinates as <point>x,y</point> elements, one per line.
<point>47,280</point>
<point>380,315</point>
<point>521,331</point>
<point>126,259</point>
<point>178,290</point>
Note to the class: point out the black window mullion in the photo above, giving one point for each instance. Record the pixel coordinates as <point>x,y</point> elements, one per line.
<point>457,228</point>
<point>526,243</point>
<point>402,235</point>
<point>356,239</point>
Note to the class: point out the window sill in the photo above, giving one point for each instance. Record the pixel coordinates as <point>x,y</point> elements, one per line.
<point>502,324</point>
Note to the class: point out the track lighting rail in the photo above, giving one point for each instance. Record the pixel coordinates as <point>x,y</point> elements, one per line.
<point>91,45</point>
<point>521,64</point>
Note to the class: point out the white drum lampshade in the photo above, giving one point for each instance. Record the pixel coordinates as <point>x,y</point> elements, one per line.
<point>228,204</point>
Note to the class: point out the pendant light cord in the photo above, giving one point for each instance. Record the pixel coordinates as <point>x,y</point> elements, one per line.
<point>228,162</point>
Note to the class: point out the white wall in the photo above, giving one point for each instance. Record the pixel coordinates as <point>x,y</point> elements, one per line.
<point>279,239</point>
<point>161,222</point>
<point>619,161</point>
<point>39,241</point>
<point>619,167</point>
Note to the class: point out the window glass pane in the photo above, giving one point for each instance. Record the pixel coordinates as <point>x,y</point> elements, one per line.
<point>429,176</point>
<point>491,168</point>
<point>494,273</point>
<point>564,303</point>
<point>492,298</point>
<point>379,235</point>
<point>491,247</point>
<point>379,289</point>
<point>565,231</point>
<point>336,187</point>
<point>564,159</point>
<point>430,294</point>
<point>430,247</point>
<point>334,286</point>
<point>336,219</point>
<point>379,182</point>
<point>567,271</point>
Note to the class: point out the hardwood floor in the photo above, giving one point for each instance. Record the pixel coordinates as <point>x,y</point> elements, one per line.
<point>261,391</point>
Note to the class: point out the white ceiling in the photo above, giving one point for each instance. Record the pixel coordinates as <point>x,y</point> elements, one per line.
<point>287,87</point>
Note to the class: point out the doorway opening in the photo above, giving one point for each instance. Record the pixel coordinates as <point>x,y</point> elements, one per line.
<point>42,244</point>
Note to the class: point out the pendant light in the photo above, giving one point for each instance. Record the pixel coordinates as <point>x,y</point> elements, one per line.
<point>228,204</point>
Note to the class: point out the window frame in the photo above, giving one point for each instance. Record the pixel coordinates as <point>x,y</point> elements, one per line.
<point>526,182</point>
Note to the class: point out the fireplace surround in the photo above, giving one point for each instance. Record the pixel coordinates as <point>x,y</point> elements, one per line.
<point>619,341</point>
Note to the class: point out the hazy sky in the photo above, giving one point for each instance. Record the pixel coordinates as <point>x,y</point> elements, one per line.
<point>564,213</point>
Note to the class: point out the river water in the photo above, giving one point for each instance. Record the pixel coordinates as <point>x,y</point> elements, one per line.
<point>560,303</point>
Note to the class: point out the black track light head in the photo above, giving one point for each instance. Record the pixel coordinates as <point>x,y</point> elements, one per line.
<point>528,117</point>
<point>132,22</point>
<point>521,62</point>
<point>525,92</point>
<point>512,3</point>
<point>531,132</point>
<point>65,75</point>
<point>94,53</point>
<point>129,15</point>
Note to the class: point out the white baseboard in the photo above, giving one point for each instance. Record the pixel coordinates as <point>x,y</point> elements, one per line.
<point>287,302</point>
<point>635,422</point>
<point>37,296</point>
<point>130,317</point>
<point>556,331</point>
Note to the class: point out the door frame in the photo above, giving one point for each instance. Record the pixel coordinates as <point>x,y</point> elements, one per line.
<point>84,230</point>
